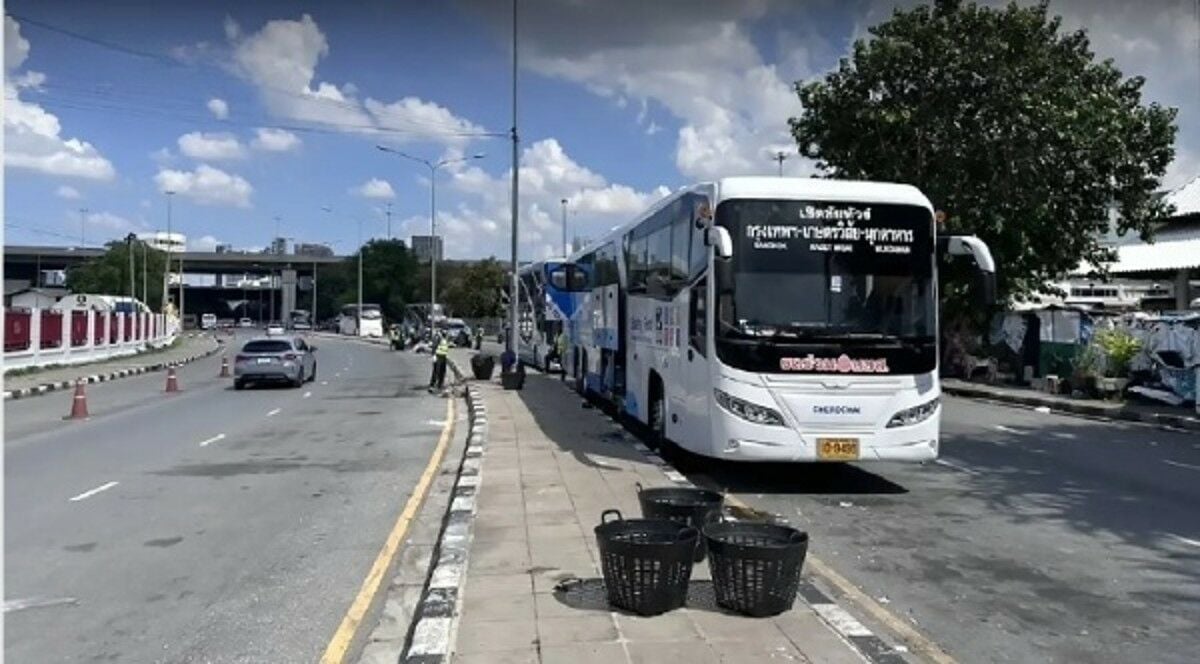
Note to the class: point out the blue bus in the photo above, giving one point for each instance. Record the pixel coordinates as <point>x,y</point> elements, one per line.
<point>551,291</point>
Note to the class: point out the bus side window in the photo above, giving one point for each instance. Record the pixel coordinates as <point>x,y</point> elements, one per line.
<point>698,318</point>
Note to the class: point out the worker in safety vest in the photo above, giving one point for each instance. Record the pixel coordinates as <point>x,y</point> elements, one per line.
<point>441,349</point>
<point>561,348</point>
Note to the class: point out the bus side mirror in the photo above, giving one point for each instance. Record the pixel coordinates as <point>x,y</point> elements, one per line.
<point>977,251</point>
<point>719,239</point>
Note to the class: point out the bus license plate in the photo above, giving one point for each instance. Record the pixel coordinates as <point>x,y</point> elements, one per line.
<point>837,449</point>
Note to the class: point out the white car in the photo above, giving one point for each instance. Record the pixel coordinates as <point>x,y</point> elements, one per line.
<point>245,322</point>
<point>275,329</point>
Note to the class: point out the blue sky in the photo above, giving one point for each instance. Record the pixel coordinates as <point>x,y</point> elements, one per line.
<point>251,111</point>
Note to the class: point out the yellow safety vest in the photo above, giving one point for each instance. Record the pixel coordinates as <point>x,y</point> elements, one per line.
<point>442,348</point>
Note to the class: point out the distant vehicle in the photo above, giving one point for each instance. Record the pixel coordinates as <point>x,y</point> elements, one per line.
<point>245,322</point>
<point>457,331</point>
<point>371,320</point>
<point>190,321</point>
<point>208,321</point>
<point>225,323</point>
<point>300,319</point>
<point>275,328</point>
<point>275,359</point>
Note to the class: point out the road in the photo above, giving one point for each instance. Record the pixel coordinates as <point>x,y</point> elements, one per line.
<point>1035,538</point>
<point>212,525</point>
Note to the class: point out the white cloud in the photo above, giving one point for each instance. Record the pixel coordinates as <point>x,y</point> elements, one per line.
<point>109,222</point>
<point>479,224</point>
<point>32,136</point>
<point>207,186</point>
<point>275,140</point>
<point>67,192</point>
<point>219,108</point>
<point>205,243</point>
<point>211,146</point>
<point>375,188</point>
<point>281,61</point>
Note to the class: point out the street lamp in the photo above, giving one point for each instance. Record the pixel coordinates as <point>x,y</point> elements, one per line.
<point>167,264</point>
<point>566,249</point>
<point>433,257</point>
<point>779,157</point>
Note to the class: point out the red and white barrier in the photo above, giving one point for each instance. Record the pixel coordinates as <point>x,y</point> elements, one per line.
<point>40,337</point>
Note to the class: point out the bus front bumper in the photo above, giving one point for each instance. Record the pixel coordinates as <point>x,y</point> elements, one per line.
<point>744,441</point>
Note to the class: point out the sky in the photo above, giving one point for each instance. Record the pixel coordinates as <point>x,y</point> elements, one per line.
<point>267,115</point>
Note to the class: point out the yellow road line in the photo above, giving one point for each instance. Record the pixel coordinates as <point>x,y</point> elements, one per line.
<point>340,645</point>
<point>919,643</point>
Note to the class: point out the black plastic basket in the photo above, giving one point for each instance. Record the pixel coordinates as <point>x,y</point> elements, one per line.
<point>755,566</point>
<point>689,506</point>
<point>646,562</point>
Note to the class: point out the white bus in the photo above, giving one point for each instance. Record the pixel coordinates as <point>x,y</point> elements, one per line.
<point>371,320</point>
<point>547,304</point>
<point>773,319</point>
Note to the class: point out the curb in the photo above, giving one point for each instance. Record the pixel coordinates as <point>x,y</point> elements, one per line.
<point>432,632</point>
<point>44,388</point>
<point>1115,414</point>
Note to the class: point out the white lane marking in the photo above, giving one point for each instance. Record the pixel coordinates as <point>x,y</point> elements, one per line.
<point>961,469</point>
<point>307,395</point>
<point>36,602</point>
<point>324,382</point>
<point>206,443</point>
<point>92,492</point>
<point>274,412</point>
<point>1181,464</point>
<point>1185,540</point>
<point>1064,435</point>
<point>1009,429</point>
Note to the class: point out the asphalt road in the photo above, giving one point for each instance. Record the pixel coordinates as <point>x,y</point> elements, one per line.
<point>1035,538</point>
<point>240,525</point>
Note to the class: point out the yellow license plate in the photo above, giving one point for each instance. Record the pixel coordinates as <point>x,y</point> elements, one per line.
<point>837,449</point>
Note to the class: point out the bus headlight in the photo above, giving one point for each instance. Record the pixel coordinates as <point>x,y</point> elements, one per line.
<point>910,416</point>
<point>748,411</point>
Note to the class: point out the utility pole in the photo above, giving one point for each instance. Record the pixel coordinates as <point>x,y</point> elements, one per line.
<point>779,157</point>
<point>83,227</point>
<point>389,220</point>
<point>129,239</point>
<point>510,343</point>
<point>358,314</point>
<point>566,247</point>
<point>145,288</point>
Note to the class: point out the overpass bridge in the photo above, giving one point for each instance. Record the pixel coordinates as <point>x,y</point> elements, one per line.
<point>289,273</point>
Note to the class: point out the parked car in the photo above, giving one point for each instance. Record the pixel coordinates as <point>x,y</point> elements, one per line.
<point>275,328</point>
<point>245,322</point>
<point>274,360</point>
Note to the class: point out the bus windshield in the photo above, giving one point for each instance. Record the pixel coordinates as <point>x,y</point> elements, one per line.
<point>804,270</point>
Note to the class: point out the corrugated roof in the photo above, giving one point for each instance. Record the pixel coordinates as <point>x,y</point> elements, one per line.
<point>1186,199</point>
<point>1176,253</point>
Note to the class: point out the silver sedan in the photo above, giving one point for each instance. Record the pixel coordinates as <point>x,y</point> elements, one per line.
<point>275,359</point>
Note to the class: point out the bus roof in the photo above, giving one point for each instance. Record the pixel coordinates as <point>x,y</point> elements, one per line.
<point>762,187</point>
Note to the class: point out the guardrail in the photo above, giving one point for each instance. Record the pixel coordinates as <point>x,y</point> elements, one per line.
<point>40,337</point>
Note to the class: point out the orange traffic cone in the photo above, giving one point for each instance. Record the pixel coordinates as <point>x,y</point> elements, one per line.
<point>172,381</point>
<point>224,367</point>
<point>79,409</point>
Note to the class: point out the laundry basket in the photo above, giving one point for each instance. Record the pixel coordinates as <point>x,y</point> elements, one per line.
<point>646,562</point>
<point>755,566</point>
<point>687,505</point>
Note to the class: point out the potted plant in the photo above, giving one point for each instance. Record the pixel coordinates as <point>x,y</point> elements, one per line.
<point>1119,348</point>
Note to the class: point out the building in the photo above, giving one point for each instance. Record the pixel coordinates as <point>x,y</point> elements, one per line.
<point>277,247</point>
<point>223,249</point>
<point>35,298</point>
<point>312,249</point>
<point>170,242</point>
<point>426,246</point>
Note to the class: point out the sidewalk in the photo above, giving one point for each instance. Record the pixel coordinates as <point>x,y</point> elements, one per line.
<point>1181,417</point>
<point>549,468</point>
<point>192,346</point>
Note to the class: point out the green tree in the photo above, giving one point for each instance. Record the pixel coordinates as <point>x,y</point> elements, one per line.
<point>389,270</point>
<point>1006,123</point>
<point>109,274</point>
<point>474,291</point>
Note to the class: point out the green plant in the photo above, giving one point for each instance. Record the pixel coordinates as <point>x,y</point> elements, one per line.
<point>1119,348</point>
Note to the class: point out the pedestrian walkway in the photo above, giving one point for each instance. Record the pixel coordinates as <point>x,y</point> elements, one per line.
<point>550,467</point>
<point>190,347</point>
<point>1174,416</point>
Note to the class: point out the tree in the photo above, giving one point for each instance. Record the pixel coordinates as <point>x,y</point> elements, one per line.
<point>1006,124</point>
<point>389,269</point>
<point>109,274</point>
<point>474,290</point>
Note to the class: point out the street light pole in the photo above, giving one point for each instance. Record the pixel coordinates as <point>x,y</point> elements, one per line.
<point>514,297</point>
<point>145,288</point>
<point>779,157</point>
<point>433,253</point>
<point>132,279</point>
<point>389,219</point>
<point>167,264</point>
<point>358,314</point>
<point>566,247</point>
